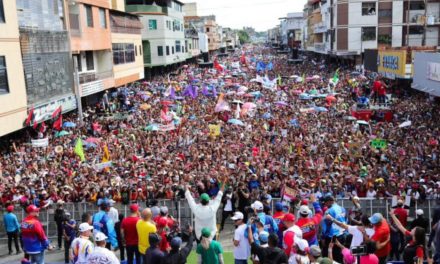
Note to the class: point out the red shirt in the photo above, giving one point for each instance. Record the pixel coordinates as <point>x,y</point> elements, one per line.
<point>402,215</point>
<point>376,86</point>
<point>130,232</point>
<point>419,250</point>
<point>381,234</point>
<point>164,244</point>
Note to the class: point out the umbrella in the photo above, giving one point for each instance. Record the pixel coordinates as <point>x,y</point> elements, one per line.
<point>166,102</point>
<point>237,102</point>
<point>242,89</point>
<point>305,96</point>
<point>69,124</point>
<point>89,145</point>
<point>293,76</point>
<point>316,77</point>
<point>330,98</point>
<point>93,140</point>
<point>281,103</point>
<point>266,116</point>
<point>349,118</point>
<point>61,133</point>
<point>405,124</point>
<point>145,106</point>
<point>256,94</point>
<point>152,127</point>
<point>236,122</point>
<point>249,105</point>
<point>294,122</point>
<point>320,109</point>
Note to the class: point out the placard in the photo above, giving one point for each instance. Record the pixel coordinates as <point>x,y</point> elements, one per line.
<point>40,143</point>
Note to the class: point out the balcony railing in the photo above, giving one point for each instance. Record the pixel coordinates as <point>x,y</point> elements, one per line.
<point>319,47</point>
<point>319,28</point>
<point>93,76</point>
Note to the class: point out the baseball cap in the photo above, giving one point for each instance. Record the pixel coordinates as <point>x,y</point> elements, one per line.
<point>84,227</point>
<point>100,237</point>
<point>302,244</point>
<point>325,261</point>
<point>257,205</point>
<point>162,222</point>
<point>375,218</point>
<point>176,242</point>
<point>419,212</point>
<point>134,208</point>
<point>205,197</point>
<point>348,257</point>
<point>10,208</point>
<point>289,218</point>
<point>304,210</point>
<point>206,232</point>
<point>164,210</point>
<point>263,237</point>
<point>237,216</point>
<point>32,208</point>
<point>278,206</point>
<point>315,251</point>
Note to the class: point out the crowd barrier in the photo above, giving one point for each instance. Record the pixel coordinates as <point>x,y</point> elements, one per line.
<point>181,211</point>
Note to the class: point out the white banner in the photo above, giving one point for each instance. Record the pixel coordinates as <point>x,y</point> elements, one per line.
<point>168,127</point>
<point>40,143</point>
<point>433,71</point>
<point>101,166</point>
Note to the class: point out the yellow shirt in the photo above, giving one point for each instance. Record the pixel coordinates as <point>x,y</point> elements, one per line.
<point>144,229</point>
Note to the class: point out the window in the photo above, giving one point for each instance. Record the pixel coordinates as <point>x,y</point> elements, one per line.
<point>136,50</point>
<point>123,53</point>
<point>168,50</point>
<point>417,5</point>
<point>2,13</point>
<point>90,61</point>
<point>416,30</point>
<point>78,60</point>
<point>207,29</point>
<point>209,40</point>
<point>159,51</point>
<point>368,8</point>
<point>190,46</point>
<point>385,13</point>
<point>177,46</point>
<point>152,24</point>
<point>89,15</point>
<point>102,18</point>
<point>4,87</point>
<point>368,33</point>
<point>172,49</point>
<point>140,50</point>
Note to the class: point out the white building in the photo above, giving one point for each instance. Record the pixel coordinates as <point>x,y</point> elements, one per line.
<point>291,27</point>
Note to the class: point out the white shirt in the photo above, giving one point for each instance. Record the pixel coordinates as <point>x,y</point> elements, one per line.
<point>102,255</point>
<point>371,194</point>
<point>304,259</point>
<point>205,215</point>
<point>80,249</point>
<point>358,238</point>
<point>228,205</point>
<point>113,214</point>
<point>243,250</point>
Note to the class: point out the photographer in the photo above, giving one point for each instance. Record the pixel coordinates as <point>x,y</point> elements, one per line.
<point>179,255</point>
<point>348,257</point>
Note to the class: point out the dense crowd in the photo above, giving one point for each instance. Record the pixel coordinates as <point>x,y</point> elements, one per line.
<point>197,131</point>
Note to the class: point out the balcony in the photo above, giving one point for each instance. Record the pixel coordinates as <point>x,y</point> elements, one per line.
<point>93,76</point>
<point>416,16</point>
<point>320,47</point>
<point>143,9</point>
<point>319,28</point>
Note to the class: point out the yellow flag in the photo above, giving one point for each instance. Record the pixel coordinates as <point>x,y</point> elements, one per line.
<point>106,156</point>
<point>214,130</point>
<point>79,149</point>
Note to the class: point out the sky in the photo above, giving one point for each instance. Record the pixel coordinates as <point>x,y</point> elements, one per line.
<point>259,14</point>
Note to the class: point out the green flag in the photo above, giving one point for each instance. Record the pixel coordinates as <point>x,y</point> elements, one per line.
<point>336,77</point>
<point>79,149</point>
<point>304,77</point>
<point>279,80</point>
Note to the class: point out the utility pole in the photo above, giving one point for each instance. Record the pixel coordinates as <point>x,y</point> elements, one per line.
<point>77,94</point>
<point>425,23</point>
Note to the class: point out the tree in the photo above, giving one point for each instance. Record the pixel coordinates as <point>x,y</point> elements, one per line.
<point>243,36</point>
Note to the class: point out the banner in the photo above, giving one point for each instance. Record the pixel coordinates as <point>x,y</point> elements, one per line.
<point>214,130</point>
<point>289,194</point>
<point>379,143</point>
<point>103,165</point>
<point>40,143</point>
<point>392,64</point>
<point>168,127</point>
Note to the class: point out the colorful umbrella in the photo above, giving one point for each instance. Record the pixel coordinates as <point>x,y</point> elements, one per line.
<point>236,122</point>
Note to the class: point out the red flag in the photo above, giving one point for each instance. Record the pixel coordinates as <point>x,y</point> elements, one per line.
<point>30,118</point>
<point>57,118</point>
<point>217,66</point>
<point>243,59</point>
<point>42,127</point>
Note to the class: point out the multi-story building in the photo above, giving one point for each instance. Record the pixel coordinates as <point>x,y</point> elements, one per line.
<point>13,102</point>
<point>347,28</point>
<point>191,41</point>
<point>91,46</point>
<point>274,36</point>
<point>47,62</point>
<point>163,36</point>
<point>128,62</point>
<point>207,25</point>
<point>231,38</point>
<point>291,29</point>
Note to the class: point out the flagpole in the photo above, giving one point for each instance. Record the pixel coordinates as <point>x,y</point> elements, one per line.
<point>77,94</point>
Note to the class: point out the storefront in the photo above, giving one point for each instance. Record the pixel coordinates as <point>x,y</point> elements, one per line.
<point>427,72</point>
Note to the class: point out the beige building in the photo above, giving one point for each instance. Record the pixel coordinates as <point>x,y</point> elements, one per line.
<point>13,101</point>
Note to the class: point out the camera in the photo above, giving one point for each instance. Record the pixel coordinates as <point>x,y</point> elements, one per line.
<point>359,250</point>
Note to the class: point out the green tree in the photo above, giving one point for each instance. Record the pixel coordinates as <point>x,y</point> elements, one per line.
<point>243,36</point>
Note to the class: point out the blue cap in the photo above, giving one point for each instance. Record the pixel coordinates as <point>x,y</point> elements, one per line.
<point>278,206</point>
<point>263,237</point>
<point>375,218</point>
<point>176,242</point>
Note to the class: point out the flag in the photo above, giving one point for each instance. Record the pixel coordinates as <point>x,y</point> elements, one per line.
<point>57,118</point>
<point>279,80</point>
<point>31,117</point>
<point>172,93</point>
<point>217,66</point>
<point>79,150</point>
<point>243,59</point>
<point>42,127</point>
<point>106,156</point>
<point>269,66</point>
<point>205,90</point>
<point>335,78</point>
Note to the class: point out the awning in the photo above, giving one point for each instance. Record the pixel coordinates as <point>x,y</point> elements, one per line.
<point>126,21</point>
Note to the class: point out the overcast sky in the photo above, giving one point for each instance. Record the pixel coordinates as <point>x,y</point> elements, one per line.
<point>259,14</point>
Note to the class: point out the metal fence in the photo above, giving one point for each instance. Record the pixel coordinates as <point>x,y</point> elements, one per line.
<point>181,211</point>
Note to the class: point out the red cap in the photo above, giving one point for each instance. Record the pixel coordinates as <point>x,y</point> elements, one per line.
<point>162,222</point>
<point>32,208</point>
<point>289,218</point>
<point>134,207</point>
<point>304,202</point>
<point>10,208</point>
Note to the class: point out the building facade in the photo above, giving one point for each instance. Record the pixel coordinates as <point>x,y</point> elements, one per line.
<point>291,30</point>
<point>13,101</point>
